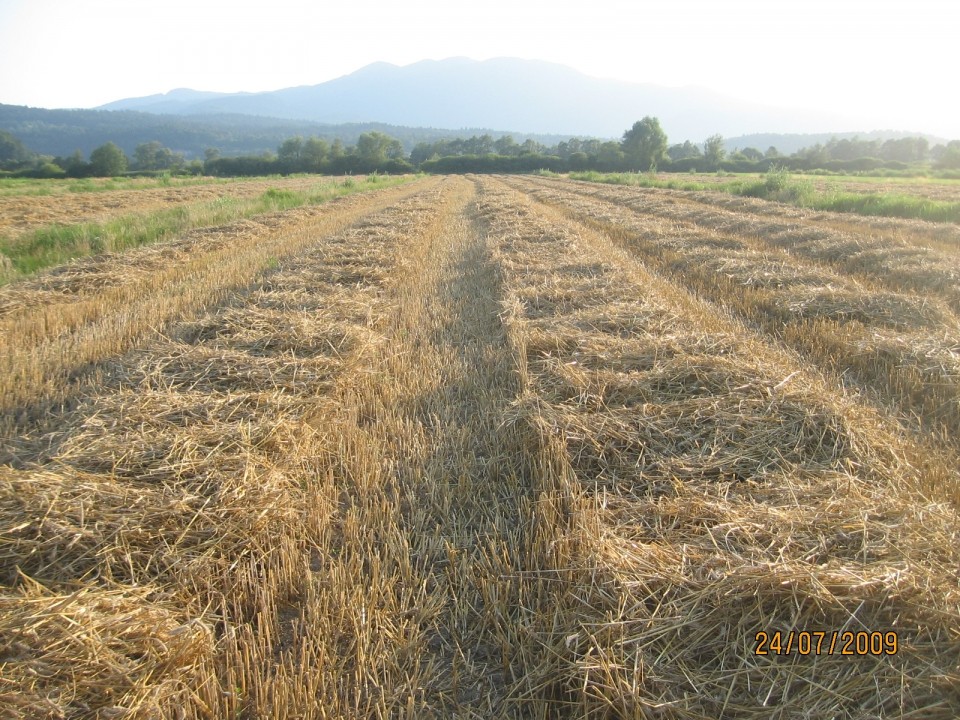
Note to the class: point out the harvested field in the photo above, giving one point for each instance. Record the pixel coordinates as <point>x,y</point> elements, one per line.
<point>135,225</point>
<point>703,468</point>
<point>21,213</point>
<point>60,324</point>
<point>703,206</point>
<point>934,189</point>
<point>475,448</point>
<point>894,334</point>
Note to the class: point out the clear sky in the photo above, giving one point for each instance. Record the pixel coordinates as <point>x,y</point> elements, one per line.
<point>881,64</point>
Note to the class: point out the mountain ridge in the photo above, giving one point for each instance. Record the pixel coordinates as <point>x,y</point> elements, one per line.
<point>421,102</point>
<point>529,96</point>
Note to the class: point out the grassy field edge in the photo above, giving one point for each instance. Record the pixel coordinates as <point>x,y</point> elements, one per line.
<point>781,186</point>
<point>58,244</point>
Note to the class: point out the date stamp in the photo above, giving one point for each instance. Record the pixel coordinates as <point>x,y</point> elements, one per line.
<point>826,642</point>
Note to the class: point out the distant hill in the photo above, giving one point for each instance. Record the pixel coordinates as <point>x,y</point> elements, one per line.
<point>423,102</point>
<point>524,95</point>
<point>61,132</point>
<point>170,102</point>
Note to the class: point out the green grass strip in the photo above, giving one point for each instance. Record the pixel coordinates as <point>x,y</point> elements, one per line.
<point>45,187</point>
<point>57,244</point>
<point>782,187</point>
<point>891,205</point>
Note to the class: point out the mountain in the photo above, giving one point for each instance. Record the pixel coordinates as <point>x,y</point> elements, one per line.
<point>422,102</point>
<point>167,103</point>
<point>524,95</point>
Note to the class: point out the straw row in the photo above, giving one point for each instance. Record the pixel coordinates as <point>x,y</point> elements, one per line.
<point>48,349</point>
<point>902,345</point>
<point>709,488</point>
<point>21,213</point>
<point>892,253</point>
<point>155,544</point>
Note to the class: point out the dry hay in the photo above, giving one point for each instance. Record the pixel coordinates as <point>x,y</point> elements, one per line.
<point>613,351</point>
<point>127,653</point>
<point>751,271</point>
<point>888,230</point>
<point>676,414</point>
<point>712,496</point>
<point>312,292</point>
<point>811,290</point>
<point>620,318</point>
<point>275,324</point>
<point>22,213</point>
<point>687,579</point>
<point>560,296</point>
<point>122,588</point>
<point>922,361</point>
<point>883,250</point>
<point>827,316</point>
<point>67,527</point>
<point>897,264</point>
<point>89,275</point>
<point>223,540</point>
<point>175,434</point>
<point>939,356</point>
<point>643,444</point>
<point>889,309</point>
<point>174,513</point>
<point>58,345</point>
<point>791,293</point>
<point>250,370</point>
<point>106,270</point>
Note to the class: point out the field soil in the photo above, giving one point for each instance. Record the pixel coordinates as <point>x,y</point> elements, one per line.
<point>485,447</point>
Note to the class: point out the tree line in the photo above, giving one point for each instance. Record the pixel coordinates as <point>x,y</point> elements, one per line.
<point>373,152</point>
<point>643,147</point>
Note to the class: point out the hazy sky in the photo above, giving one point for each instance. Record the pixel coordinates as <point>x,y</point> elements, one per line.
<point>883,65</point>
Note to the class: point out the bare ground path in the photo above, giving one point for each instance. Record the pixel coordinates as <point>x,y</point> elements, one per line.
<point>433,491</point>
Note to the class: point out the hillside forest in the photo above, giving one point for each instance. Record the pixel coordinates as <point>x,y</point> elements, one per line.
<point>643,147</point>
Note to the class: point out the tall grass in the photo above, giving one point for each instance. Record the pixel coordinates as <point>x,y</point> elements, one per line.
<point>891,205</point>
<point>780,186</point>
<point>57,244</point>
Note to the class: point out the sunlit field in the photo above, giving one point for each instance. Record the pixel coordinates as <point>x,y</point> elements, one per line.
<point>476,447</point>
<point>47,222</point>
<point>936,201</point>
<point>934,188</point>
